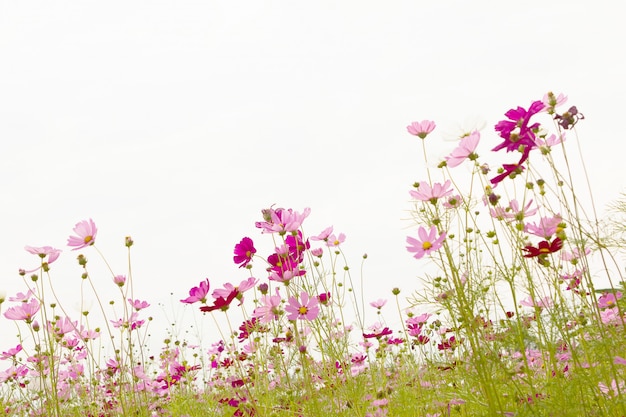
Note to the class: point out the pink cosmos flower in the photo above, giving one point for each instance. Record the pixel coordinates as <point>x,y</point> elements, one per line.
<point>244,251</point>
<point>198,293</point>
<point>307,308</point>
<point>270,308</point>
<point>380,303</point>
<point>336,240</point>
<point>85,235</point>
<point>138,304</point>
<point>324,235</point>
<point>282,221</point>
<point>21,297</point>
<point>428,242</point>
<point>427,193</point>
<point>11,353</point>
<point>544,302</point>
<point>119,280</point>
<point>23,311</point>
<point>546,227</point>
<point>550,141</point>
<point>453,202</point>
<point>229,289</point>
<point>44,251</point>
<point>465,150</point>
<point>551,101</point>
<point>421,129</point>
<point>609,299</point>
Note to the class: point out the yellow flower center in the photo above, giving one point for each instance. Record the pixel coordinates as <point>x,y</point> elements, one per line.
<point>88,239</point>
<point>426,245</point>
<point>544,250</point>
<point>303,310</point>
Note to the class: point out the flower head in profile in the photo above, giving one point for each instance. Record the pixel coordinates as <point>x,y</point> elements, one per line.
<point>23,311</point>
<point>44,251</point>
<point>425,192</point>
<point>428,242</point>
<point>421,129</point>
<point>305,308</point>
<point>198,293</point>
<point>465,150</point>
<point>244,251</point>
<point>85,235</point>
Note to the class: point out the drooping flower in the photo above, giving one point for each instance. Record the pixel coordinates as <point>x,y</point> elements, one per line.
<point>198,293</point>
<point>465,150</point>
<point>421,129</point>
<point>378,304</point>
<point>306,308</point>
<point>428,242</point>
<point>244,251</point>
<point>43,251</point>
<point>85,235</point>
<point>425,192</point>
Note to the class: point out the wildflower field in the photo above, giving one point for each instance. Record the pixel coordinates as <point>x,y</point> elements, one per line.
<point>518,310</point>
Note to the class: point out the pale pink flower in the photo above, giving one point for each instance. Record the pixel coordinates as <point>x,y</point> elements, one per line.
<point>428,242</point>
<point>23,311</point>
<point>574,254</point>
<point>307,308</point>
<point>380,303</point>
<point>544,302</point>
<point>86,231</point>
<point>282,221</point>
<point>609,299</point>
<point>21,297</point>
<point>138,304</point>
<point>421,129</point>
<point>336,240</point>
<point>612,390</point>
<point>427,193</point>
<point>467,147</point>
<point>546,227</point>
<point>550,141</point>
<point>270,308</point>
<point>44,251</point>
<point>119,280</point>
<point>324,235</point>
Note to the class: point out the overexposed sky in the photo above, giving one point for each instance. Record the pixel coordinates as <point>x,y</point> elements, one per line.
<point>176,122</point>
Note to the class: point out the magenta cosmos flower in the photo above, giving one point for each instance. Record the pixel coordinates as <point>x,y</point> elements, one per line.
<point>85,235</point>
<point>428,242</point>
<point>198,293</point>
<point>421,129</point>
<point>307,308</point>
<point>465,150</point>
<point>516,131</point>
<point>244,250</point>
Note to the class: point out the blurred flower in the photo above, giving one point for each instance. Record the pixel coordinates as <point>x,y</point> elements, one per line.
<point>282,221</point>
<point>119,280</point>
<point>85,235</point>
<point>270,308</point>
<point>336,240</point>
<point>324,235</point>
<point>380,303</point>
<point>546,227</point>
